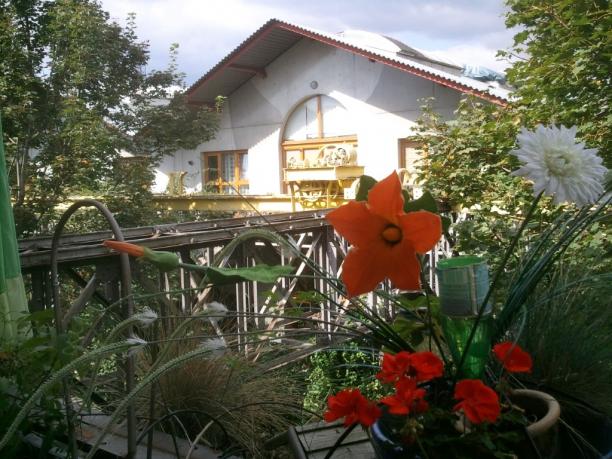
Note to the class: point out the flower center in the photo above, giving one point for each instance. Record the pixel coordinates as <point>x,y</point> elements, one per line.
<point>392,234</point>
<point>561,162</point>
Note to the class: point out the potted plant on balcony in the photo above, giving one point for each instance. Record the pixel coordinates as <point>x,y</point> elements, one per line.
<point>388,236</point>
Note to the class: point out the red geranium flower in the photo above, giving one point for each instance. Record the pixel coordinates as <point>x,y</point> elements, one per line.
<point>514,359</point>
<point>427,365</point>
<point>351,405</point>
<point>394,367</point>
<point>479,403</point>
<point>421,365</point>
<point>384,239</point>
<point>407,398</point>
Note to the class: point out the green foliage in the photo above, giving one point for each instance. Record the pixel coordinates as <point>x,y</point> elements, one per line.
<point>467,161</point>
<point>73,96</point>
<point>30,374</point>
<point>363,187</point>
<point>259,273</point>
<point>567,330</point>
<point>565,78</point>
<point>332,370</point>
<point>475,148</point>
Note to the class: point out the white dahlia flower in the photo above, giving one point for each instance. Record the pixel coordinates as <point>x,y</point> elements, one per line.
<point>559,166</point>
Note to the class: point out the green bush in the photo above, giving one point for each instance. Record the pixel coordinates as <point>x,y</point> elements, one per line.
<point>332,370</point>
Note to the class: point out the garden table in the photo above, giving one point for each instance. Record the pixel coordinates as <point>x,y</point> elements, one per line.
<point>313,441</point>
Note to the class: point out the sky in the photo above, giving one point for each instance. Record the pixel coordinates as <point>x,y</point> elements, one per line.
<point>465,31</point>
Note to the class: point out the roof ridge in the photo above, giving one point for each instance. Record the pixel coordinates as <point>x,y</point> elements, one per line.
<point>402,62</point>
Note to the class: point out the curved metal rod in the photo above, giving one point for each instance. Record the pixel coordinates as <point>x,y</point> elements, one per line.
<point>126,287</point>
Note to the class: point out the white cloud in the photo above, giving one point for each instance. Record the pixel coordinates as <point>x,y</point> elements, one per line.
<point>472,55</point>
<point>469,30</point>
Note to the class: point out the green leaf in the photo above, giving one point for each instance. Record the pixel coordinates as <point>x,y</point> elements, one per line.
<point>259,273</point>
<point>446,223</point>
<point>410,330</point>
<point>165,261</point>
<point>425,202</point>
<point>363,187</point>
<point>40,317</point>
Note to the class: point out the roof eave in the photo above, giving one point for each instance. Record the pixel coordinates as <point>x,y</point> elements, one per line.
<point>275,23</point>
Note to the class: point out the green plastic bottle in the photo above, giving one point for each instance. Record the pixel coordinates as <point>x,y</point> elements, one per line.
<point>463,283</point>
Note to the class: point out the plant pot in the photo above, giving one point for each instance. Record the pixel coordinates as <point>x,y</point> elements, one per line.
<point>546,411</point>
<point>542,432</point>
<point>386,442</point>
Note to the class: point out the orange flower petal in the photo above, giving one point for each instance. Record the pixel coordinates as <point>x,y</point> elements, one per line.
<point>363,269</point>
<point>125,247</point>
<point>385,198</point>
<point>402,266</point>
<point>357,224</point>
<point>423,229</point>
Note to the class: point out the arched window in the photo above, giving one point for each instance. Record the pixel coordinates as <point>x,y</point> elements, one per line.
<point>315,125</point>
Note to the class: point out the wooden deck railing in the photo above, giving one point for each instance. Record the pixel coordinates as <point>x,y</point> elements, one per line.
<point>86,272</point>
<point>195,242</point>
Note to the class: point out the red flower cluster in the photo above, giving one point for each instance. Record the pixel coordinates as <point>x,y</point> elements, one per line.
<point>351,405</point>
<point>423,366</point>
<point>407,398</point>
<point>480,403</point>
<point>405,370</point>
<point>513,358</point>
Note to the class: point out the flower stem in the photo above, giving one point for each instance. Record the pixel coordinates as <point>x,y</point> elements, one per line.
<point>425,455</point>
<point>498,273</point>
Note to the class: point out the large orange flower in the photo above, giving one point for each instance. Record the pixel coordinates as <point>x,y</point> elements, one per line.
<point>384,239</point>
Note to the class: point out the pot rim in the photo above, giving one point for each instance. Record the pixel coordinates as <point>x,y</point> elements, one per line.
<point>551,417</point>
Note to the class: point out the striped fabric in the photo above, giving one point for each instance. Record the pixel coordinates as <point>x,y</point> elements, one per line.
<point>13,302</point>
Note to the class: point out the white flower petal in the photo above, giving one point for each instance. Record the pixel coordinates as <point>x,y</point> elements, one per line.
<point>216,311</point>
<point>558,165</point>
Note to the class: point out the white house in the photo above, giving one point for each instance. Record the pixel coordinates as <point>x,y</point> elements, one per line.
<point>306,111</point>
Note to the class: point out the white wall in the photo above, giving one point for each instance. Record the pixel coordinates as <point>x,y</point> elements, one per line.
<point>383,103</point>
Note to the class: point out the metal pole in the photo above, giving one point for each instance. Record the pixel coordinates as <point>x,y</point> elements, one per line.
<point>126,288</point>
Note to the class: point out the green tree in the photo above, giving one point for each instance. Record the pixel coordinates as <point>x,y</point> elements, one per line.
<point>561,65</point>
<point>467,161</point>
<point>468,169</point>
<point>561,75</point>
<point>73,95</point>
